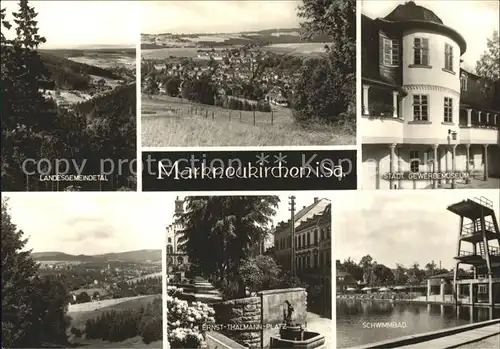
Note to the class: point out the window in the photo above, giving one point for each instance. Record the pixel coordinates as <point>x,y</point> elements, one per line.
<point>420,108</point>
<point>414,161</point>
<point>315,241</point>
<point>463,82</point>
<point>169,240</point>
<point>421,51</point>
<point>481,289</point>
<point>170,249</point>
<point>391,52</point>
<point>448,57</point>
<point>448,109</point>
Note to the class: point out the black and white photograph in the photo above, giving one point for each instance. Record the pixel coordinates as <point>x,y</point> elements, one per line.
<point>430,94</point>
<point>248,73</point>
<point>418,270</point>
<point>69,95</point>
<point>81,271</point>
<point>240,274</point>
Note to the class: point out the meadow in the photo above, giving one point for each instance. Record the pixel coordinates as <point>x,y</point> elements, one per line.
<point>173,122</point>
<point>80,313</point>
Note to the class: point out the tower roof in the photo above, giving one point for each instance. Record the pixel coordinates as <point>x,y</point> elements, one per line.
<point>412,12</point>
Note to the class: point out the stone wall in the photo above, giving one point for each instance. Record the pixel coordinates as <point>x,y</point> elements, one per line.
<point>273,304</point>
<point>240,320</point>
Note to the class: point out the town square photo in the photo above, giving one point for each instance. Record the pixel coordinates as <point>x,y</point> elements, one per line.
<point>248,271</point>
<point>417,270</point>
<point>68,95</point>
<point>248,73</point>
<point>430,93</point>
<point>81,270</point>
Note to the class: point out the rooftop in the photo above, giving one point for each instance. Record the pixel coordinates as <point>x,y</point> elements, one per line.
<point>412,12</point>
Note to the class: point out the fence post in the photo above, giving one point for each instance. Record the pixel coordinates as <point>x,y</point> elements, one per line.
<point>213,115</point>
<point>230,115</point>
<point>272,117</point>
<point>240,115</point>
<point>206,113</point>
<point>254,117</point>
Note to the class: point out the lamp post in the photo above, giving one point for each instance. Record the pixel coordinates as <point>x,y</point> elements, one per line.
<point>292,232</point>
<point>452,135</point>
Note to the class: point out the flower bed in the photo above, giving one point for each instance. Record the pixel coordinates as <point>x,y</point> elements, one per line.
<point>186,323</point>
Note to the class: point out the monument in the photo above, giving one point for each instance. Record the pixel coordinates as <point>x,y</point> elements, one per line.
<point>293,335</point>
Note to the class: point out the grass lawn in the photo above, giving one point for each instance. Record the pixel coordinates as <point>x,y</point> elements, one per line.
<point>172,122</point>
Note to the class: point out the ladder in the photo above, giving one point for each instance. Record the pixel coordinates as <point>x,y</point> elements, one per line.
<point>482,249</point>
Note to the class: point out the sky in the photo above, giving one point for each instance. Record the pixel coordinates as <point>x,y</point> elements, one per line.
<point>217,16</point>
<point>400,226</point>
<point>73,24</point>
<point>282,212</point>
<point>88,223</point>
<point>475,20</point>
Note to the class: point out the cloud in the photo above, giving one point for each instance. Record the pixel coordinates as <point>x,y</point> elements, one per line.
<point>216,16</point>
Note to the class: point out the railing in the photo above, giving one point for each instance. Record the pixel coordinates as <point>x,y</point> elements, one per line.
<point>465,253</point>
<point>483,201</point>
<point>472,228</point>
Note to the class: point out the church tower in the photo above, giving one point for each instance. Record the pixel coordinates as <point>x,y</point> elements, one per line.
<point>179,206</point>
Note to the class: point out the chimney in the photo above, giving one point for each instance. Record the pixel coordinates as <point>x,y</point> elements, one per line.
<point>316,200</point>
<point>303,206</point>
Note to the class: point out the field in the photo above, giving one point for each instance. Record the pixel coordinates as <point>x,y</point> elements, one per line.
<point>106,61</point>
<point>91,310</point>
<point>172,122</point>
<point>307,49</point>
<point>145,277</point>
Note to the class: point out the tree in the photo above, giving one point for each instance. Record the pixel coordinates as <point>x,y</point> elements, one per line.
<point>488,66</point>
<point>260,273</point>
<point>349,266</point>
<point>18,271</point>
<point>220,231</point>
<point>83,297</point>
<point>326,87</point>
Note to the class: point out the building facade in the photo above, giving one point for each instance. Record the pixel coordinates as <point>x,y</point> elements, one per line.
<point>177,260</point>
<point>303,232</point>
<point>420,111</point>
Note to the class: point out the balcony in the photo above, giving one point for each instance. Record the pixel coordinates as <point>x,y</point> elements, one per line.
<point>381,122</point>
<point>479,134</point>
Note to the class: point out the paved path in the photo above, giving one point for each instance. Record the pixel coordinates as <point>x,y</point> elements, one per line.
<point>316,323</point>
<point>458,340</point>
<point>488,343</point>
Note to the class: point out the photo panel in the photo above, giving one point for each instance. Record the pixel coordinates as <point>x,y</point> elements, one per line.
<point>82,270</point>
<point>233,73</point>
<point>430,95</point>
<point>418,269</point>
<point>69,95</point>
<point>245,275</point>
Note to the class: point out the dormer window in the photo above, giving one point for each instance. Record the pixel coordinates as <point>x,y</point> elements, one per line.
<point>421,51</point>
<point>463,82</point>
<point>448,57</point>
<point>391,52</point>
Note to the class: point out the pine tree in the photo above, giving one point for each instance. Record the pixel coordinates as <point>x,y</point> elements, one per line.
<point>18,273</point>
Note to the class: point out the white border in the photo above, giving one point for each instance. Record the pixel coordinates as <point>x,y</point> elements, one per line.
<point>138,100</point>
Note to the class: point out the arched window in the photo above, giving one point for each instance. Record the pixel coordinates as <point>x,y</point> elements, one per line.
<point>463,82</point>
<point>169,240</point>
<point>170,249</point>
<point>170,261</point>
<point>180,260</point>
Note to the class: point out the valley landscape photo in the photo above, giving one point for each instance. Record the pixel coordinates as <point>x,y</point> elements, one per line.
<point>229,73</point>
<point>68,96</point>
<point>83,276</point>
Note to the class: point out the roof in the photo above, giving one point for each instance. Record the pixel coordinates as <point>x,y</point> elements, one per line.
<point>412,12</point>
<point>315,209</point>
